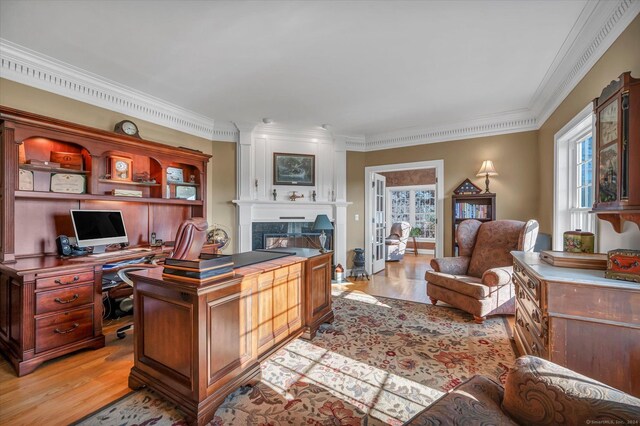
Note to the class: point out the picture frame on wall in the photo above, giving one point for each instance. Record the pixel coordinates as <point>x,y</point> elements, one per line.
<point>294,169</point>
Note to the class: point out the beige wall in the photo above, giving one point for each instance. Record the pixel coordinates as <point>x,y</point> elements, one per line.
<point>355,194</point>
<point>514,156</point>
<point>221,169</point>
<point>623,55</point>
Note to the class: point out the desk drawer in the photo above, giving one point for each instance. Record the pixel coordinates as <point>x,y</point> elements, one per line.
<point>61,329</point>
<point>64,298</point>
<point>68,278</point>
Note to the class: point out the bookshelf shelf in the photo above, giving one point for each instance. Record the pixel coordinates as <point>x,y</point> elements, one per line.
<point>480,207</point>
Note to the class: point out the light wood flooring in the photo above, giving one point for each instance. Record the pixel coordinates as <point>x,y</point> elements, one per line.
<point>67,389</point>
<point>399,280</point>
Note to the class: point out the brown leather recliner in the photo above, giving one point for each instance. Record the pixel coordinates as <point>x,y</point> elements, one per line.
<point>479,280</point>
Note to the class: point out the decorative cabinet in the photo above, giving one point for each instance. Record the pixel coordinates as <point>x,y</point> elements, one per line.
<point>46,314</point>
<point>617,176</point>
<point>51,166</point>
<point>480,207</point>
<point>578,319</point>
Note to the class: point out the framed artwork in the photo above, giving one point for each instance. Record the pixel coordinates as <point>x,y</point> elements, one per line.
<point>609,123</point>
<point>294,169</point>
<point>608,174</point>
<point>175,175</point>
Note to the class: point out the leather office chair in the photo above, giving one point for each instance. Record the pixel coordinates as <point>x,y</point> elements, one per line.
<point>190,238</point>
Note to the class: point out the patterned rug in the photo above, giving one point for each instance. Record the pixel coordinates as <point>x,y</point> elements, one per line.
<point>380,362</point>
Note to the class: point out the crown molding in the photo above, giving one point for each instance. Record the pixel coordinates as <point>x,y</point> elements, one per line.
<point>292,133</point>
<point>588,41</point>
<point>598,26</point>
<point>496,124</point>
<point>34,69</point>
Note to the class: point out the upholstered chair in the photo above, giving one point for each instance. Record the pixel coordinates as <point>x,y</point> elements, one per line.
<point>396,242</point>
<point>479,280</point>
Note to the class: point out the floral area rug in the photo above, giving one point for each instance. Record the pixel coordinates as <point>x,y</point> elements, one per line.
<point>380,362</point>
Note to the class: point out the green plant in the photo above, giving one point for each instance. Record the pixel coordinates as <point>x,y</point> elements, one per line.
<point>415,232</point>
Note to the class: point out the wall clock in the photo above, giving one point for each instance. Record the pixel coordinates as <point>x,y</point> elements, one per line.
<point>120,168</point>
<point>127,127</point>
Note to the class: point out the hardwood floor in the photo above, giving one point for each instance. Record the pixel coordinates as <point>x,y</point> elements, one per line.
<point>399,280</point>
<point>68,388</point>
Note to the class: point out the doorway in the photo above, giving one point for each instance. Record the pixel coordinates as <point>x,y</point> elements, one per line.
<point>375,175</point>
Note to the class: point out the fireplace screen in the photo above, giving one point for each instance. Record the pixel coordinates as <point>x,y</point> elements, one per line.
<point>270,235</point>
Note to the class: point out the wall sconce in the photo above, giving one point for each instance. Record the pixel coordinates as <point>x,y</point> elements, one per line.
<point>487,170</point>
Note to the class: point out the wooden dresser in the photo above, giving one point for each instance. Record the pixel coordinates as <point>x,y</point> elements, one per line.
<point>578,319</point>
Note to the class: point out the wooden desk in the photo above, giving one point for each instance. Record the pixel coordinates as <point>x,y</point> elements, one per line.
<point>578,319</point>
<point>51,306</point>
<point>196,343</point>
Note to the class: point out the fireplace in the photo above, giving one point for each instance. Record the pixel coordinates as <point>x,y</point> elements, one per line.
<point>269,235</point>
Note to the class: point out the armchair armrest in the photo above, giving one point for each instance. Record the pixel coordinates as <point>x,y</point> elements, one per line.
<point>541,392</point>
<point>497,276</point>
<point>451,265</point>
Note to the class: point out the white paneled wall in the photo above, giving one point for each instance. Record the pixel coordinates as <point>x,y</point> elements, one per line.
<point>255,203</point>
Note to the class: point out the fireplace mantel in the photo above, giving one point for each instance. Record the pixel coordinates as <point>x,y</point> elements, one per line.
<point>257,145</point>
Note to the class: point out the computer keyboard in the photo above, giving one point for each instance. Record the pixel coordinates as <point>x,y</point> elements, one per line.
<point>119,252</point>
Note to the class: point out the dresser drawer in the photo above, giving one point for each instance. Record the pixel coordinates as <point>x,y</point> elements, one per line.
<point>64,328</point>
<point>528,304</point>
<point>64,298</point>
<point>529,334</point>
<point>529,283</point>
<point>65,279</point>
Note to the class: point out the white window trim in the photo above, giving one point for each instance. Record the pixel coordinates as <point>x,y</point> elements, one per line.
<point>412,206</point>
<point>564,145</point>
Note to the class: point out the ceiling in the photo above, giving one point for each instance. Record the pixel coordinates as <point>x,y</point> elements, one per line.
<point>365,67</point>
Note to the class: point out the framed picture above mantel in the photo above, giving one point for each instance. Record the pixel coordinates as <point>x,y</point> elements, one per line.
<point>294,169</point>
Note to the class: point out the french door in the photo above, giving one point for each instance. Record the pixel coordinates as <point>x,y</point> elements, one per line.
<point>379,225</point>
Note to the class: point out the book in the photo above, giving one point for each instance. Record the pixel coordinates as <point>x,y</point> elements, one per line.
<point>205,262</point>
<point>197,280</point>
<point>197,274</point>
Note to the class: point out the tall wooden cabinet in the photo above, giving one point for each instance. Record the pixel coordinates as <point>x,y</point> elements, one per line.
<point>51,306</point>
<point>480,207</point>
<point>617,175</point>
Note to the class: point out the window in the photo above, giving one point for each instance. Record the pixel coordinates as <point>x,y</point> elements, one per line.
<point>416,205</point>
<point>574,177</point>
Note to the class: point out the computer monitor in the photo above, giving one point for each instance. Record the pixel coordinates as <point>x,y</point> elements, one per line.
<point>98,228</point>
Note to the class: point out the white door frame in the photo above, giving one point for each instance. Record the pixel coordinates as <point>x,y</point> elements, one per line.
<point>368,214</point>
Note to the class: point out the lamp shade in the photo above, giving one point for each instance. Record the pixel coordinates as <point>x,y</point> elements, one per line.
<point>322,223</point>
<point>487,169</point>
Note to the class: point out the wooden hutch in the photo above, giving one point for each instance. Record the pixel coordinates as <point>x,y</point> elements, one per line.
<point>50,306</point>
<point>480,207</point>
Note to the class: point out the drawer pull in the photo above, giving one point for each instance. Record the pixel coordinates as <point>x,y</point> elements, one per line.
<point>75,278</point>
<point>531,284</point>
<point>73,327</point>
<point>535,316</point>
<point>520,322</point>
<point>73,299</point>
<point>534,348</point>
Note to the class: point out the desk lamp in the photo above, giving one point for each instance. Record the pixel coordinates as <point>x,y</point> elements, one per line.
<point>322,223</point>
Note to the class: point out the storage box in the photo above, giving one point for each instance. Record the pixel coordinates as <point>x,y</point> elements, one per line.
<point>624,265</point>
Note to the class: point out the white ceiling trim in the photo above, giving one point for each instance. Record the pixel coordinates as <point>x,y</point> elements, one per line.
<point>498,124</point>
<point>606,21</point>
<point>596,29</point>
<point>34,69</point>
